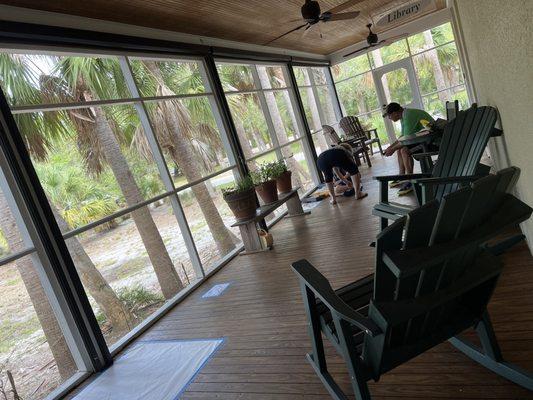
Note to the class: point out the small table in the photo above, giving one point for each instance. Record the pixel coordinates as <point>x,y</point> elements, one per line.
<point>250,236</point>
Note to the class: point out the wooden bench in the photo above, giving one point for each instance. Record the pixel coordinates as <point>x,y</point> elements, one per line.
<point>434,276</point>
<point>250,236</point>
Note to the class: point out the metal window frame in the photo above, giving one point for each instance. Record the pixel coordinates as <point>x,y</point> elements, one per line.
<point>51,258</point>
<point>30,37</point>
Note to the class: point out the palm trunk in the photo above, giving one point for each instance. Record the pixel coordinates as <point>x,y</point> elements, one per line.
<point>245,144</point>
<point>52,331</point>
<point>185,157</point>
<point>164,269</point>
<point>315,115</point>
<point>120,318</point>
<point>435,63</point>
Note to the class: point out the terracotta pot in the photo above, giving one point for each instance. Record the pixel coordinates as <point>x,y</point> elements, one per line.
<point>267,191</point>
<point>284,182</point>
<point>243,204</point>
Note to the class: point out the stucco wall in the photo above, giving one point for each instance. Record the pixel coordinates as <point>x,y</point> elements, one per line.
<point>498,37</point>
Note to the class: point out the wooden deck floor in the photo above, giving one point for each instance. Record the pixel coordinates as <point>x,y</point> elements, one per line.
<point>262,317</point>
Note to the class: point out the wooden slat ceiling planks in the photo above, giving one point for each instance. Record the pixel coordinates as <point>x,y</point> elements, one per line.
<point>250,21</point>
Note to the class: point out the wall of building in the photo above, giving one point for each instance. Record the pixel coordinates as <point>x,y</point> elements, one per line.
<point>498,37</point>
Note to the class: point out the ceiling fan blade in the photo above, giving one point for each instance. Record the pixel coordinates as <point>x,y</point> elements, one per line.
<point>342,16</point>
<point>394,38</point>
<point>344,6</point>
<point>307,30</point>
<point>357,51</point>
<point>285,34</point>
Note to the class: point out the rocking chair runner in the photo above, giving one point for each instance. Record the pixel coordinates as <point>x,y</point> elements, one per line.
<point>352,128</point>
<point>434,277</point>
<point>461,149</point>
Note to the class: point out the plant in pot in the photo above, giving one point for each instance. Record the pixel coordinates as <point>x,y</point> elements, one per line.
<point>265,186</point>
<point>282,176</point>
<point>241,198</point>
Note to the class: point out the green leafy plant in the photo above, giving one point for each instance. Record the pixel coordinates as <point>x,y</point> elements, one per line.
<point>138,297</point>
<point>267,172</point>
<point>240,186</point>
<point>277,168</point>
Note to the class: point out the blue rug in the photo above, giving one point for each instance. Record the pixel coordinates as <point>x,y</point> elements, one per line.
<point>152,370</point>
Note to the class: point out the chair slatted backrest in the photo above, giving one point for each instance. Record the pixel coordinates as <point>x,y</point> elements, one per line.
<point>433,277</point>
<point>332,138</point>
<point>463,142</point>
<point>352,127</point>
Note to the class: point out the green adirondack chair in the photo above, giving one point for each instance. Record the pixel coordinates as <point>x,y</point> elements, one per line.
<point>462,145</point>
<point>434,277</point>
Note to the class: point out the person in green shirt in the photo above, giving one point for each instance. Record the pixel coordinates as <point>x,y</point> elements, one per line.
<point>410,119</point>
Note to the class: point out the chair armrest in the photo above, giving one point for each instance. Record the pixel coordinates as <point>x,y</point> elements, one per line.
<point>369,133</point>
<point>418,156</point>
<point>450,179</point>
<point>321,287</point>
<point>387,178</point>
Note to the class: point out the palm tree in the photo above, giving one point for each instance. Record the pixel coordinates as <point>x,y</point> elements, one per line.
<point>38,129</point>
<point>177,133</point>
<point>279,126</point>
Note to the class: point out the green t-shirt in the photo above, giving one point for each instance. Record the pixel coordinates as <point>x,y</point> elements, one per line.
<point>411,120</point>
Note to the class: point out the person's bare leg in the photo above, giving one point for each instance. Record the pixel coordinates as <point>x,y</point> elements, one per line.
<point>356,181</point>
<point>407,160</point>
<point>401,166</point>
<point>331,189</point>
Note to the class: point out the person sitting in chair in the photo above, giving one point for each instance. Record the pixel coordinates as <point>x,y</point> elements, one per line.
<point>410,120</point>
<point>335,160</point>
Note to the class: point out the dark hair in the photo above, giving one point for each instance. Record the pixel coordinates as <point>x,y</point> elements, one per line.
<point>392,107</point>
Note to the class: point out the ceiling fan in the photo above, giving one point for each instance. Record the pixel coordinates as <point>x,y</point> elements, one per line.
<point>312,15</point>
<point>373,40</point>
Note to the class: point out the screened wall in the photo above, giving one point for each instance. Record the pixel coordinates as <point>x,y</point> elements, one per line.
<point>434,58</point>
<point>319,101</point>
<point>264,111</point>
<point>132,154</point>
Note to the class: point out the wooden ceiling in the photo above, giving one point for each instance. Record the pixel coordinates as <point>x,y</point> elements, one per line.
<point>250,21</point>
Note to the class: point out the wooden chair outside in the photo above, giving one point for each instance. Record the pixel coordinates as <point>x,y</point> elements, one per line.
<point>434,276</point>
<point>352,128</point>
<point>462,145</point>
<point>358,150</point>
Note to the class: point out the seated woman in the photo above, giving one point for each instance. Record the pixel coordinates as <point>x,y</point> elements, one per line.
<point>336,159</point>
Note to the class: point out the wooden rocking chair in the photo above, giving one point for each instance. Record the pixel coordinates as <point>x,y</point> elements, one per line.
<point>358,149</point>
<point>434,277</point>
<point>353,129</point>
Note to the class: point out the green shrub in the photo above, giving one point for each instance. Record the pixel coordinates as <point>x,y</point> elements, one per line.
<point>240,186</point>
<point>138,297</point>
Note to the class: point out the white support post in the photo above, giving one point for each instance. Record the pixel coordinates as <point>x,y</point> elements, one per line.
<point>166,177</point>
<point>334,99</point>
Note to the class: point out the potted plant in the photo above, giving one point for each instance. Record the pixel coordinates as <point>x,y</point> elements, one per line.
<point>282,176</point>
<point>265,186</point>
<point>241,198</point>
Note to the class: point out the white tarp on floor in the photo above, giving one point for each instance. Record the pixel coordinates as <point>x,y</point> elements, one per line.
<point>152,370</point>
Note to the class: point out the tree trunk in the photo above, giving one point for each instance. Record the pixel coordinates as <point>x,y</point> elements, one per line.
<point>186,158</point>
<point>378,61</point>
<point>315,115</point>
<point>279,127</point>
<point>245,144</point>
<point>433,58</point>
<point>164,269</point>
<point>120,318</point>
<point>52,331</point>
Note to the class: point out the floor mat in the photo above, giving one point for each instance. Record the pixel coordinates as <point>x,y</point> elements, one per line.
<point>152,370</point>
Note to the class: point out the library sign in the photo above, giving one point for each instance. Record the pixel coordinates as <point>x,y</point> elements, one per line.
<point>405,12</point>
